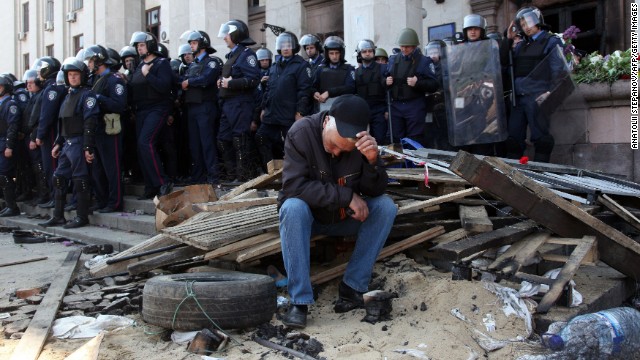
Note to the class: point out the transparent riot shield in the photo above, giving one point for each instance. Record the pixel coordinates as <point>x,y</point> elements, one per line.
<point>473,93</point>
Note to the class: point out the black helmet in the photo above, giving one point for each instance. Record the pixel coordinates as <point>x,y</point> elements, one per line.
<point>98,54</point>
<point>32,75</point>
<point>475,20</point>
<point>114,60</point>
<point>203,41</point>
<point>128,51</point>
<point>238,31</point>
<point>147,38</point>
<point>290,38</point>
<point>73,64</point>
<point>47,67</point>
<point>311,39</point>
<point>17,84</point>
<point>435,47</point>
<point>175,65</point>
<point>164,52</point>
<point>7,82</point>
<point>532,15</point>
<point>333,43</point>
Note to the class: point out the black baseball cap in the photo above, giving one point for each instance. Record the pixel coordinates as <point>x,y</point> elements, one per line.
<point>352,115</point>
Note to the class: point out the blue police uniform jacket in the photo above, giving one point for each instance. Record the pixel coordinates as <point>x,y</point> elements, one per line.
<point>288,91</point>
<point>111,93</point>
<point>537,81</point>
<point>202,74</point>
<point>52,97</point>
<point>155,88</point>
<point>242,66</point>
<point>9,120</point>
<point>86,112</point>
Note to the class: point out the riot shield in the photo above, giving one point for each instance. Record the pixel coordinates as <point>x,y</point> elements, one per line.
<point>473,93</point>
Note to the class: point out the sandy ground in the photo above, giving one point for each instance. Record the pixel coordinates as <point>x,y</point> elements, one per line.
<point>429,328</point>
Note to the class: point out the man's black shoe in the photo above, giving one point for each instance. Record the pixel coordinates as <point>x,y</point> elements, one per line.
<point>54,221</point>
<point>296,317</point>
<point>96,207</point>
<point>348,299</point>
<point>48,205</point>
<point>9,212</point>
<point>71,207</point>
<point>107,209</point>
<point>76,223</point>
<point>148,194</point>
<point>166,188</point>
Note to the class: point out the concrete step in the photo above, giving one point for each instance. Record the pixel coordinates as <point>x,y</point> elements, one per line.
<point>132,204</point>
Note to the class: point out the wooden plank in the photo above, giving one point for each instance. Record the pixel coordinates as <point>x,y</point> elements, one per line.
<point>249,194</point>
<point>522,255</point>
<point>457,250</point>
<point>164,259</point>
<point>257,182</point>
<point>475,219</point>
<point>24,261</point>
<point>546,208</point>
<point>619,210</point>
<point>241,245</point>
<point>274,165</point>
<point>566,274</point>
<point>451,236</point>
<point>438,200</point>
<point>36,334</point>
<point>235,204</point>
<point>265,249</point>
<point>402,245</point>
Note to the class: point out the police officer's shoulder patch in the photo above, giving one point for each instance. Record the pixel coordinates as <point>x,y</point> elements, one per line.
<point>212,64</point>
<point>90,102</point>
<point>353,74</point>
<point>309,72</point>
<point>432,67</point>
<point>252,60</point>
<point>23,97</point>
<point>52,95</point>
<point>119,89</point>
<point>13,109</point>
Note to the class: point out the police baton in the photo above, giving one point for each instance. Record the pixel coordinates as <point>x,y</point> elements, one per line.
<point>513,80</point>
<point>389,116</point>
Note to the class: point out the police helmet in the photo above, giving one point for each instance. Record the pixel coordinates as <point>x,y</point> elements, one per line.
<point>164,52</point>
<point>114,60</point>
<point>238,32</point>
<point>47,67</point>
<point>98,54</point>
<point>474,20</point>
<point>7,83</point>
<point>287,39</point>
<point>184,49</point>
<point>435,48</point>
<point>17,84</point>
<point>408,37</point>
<point>60,78</point>
<point>175,65</point>
<point>128,51</point>
<point>365,44</point>
<point>532,16</point>
<point>32,75</point>
<point>333,43</point>
<point>73,64</point>
<point>203,41</point>
<point>149,40</point>
<point>264,54</point>
<point>380,52</point>
<point>310,39</point>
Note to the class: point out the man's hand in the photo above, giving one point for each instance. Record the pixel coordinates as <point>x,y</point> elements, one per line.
<point>55,152</point>
<point>32,145</point>
<point>511,32</point>
<point>540,99</point>
<point>412,81</point>
<point>170,120</point>
<point>145,69</point>
<point>88,155</point>
<point>8,153</point>
<point>224,82</point>
<point>389,80</point>
<point>367,146</point>
<point>38,142</point>
<point>185,84</point>
<point>359,207</point>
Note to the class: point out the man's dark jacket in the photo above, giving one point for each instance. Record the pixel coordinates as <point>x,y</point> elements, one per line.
<point>314,175</point>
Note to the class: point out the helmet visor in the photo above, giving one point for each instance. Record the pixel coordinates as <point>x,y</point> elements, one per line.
<point>30,75</point>
<point>138,37</point>
<point>226,29</point>
<point>366,45</point>
<point>285,42</point>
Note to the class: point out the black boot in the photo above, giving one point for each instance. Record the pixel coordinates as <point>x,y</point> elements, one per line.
<point>544,147</point>
<point>83,195</point>
<point>60,198</point>
<point>9,190</point>
<point>41,184</point>
<point>225,149</point>
<point>242,158</point>
<point>348,299</point>
<point>264,151</point>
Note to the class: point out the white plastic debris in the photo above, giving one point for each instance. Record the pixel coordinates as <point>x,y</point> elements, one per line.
<point>205,357</point>
<point>282,301</point>
<point>81,327</point>
<point>486,342</point>
<point>512,303</point>
<point>418,354</point>
<point>456,312</point>
<point>489,322</point>
<point>183,337</point>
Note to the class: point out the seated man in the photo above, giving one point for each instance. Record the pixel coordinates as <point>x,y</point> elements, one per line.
<point>333,184</point>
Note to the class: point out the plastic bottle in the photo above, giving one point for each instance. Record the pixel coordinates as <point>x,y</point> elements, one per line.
<point>607,334</point>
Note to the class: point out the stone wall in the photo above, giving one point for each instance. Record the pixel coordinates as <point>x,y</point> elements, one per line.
<point>593,131</point>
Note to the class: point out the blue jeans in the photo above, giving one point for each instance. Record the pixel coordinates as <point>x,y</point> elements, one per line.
<point>297,225</point>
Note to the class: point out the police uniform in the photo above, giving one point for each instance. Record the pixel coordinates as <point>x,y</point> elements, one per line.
<point>9,122</point>
<point>408,107</point>
<point>370,85</point>
<point>287,93</point>
<point>24,173</point>
<point>315,63</point>
<point>30,118</point>
<point>111,94</point>
<point>337,79</point>
<point>201,98</point>
<point>237,99</point>
<point>153,102</point>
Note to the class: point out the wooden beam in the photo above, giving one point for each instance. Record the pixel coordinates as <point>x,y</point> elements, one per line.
<point>451,236</point>
<point>619,210</point>
<point>235,204</point>
<point>438,200</point>
<point>24,261</point>
<point>241,245</point>
<point>36,334</point>
<point>475,219</point>
<point>257,182</point>
<point>546,208</point>
<point>455,251</point>
<point>566,274</point>
<point>520,253</point>
<point>164,259</point>
<point>334,272</point>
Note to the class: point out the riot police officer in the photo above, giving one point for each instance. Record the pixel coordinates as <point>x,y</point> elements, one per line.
<point>201,98</point>
<point>474,27</point>
<point>286,97</point>
<point>240,77</point>
<point>313,48</point>
<point>334,77</point>
<point>381,56</point>
<point>129,59</point>
<point>151,87</point>
<point>111,95</point>
<point>9,122</point>
<point>409,77</point>
<point>370,85</point>
<point>186,58</point>
<point>437,135</point>
<point>75,144</point>
<point>30,117</point>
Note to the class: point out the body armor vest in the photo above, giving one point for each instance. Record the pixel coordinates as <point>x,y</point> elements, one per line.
<point>226,93</point>
<point>72,124</point>
<point>142,91</point>
<point>369,83</point>
<point>196,95</point>
<point>403,69</point>
<point>530,55</point>
<point>330,78</point>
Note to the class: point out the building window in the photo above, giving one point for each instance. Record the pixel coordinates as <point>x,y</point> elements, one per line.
<point>25,61</point>
<point>76,5</point>
<point>48,16</point>
<point>255,3</point>
<point>153,21</point>
<point>588,16</point>
<point>78,43</point>
<point>49,50</point>
<point>25,17</point>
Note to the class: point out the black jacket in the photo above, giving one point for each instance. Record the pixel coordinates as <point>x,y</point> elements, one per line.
<point>288,91</point>
<point>312,175</point>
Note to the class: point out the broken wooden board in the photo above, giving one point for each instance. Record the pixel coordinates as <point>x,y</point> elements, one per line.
<point>475,219</point>
<point>437,200</point>
<point>457,250</point>
<point>235,204</point>
<point>164,259</point>
<point>591,258</point>
<point>417,174</point>
<point>387,251</point>
<point>267,248</point>
<point>242,244</point>
<point>274,165</point>
<point>619,210</point>
<point>548,209</point>
<point>36,335</point>
<point>23,261</point>
<point>89,351</point>
<point>520,253</point>
<point>260,181</point>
